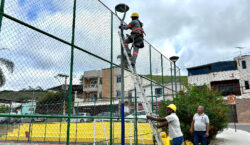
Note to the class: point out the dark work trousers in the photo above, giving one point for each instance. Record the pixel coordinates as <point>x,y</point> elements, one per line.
<point>133,56</point>
<point>200,136</point>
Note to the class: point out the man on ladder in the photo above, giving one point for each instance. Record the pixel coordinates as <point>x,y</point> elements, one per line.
<point>136,37</point>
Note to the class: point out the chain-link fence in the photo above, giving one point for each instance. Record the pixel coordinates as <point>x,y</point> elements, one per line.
<point>61,76</point>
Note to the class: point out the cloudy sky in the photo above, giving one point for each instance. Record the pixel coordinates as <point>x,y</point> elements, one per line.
<point>198,32</point>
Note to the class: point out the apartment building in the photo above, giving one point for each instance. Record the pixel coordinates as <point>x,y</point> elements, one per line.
<point>97,84</point>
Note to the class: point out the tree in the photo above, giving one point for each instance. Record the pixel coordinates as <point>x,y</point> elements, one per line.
<point>4,109</point>
<point>187,102</point>
<point>9,65</point>
<point>51,103</point>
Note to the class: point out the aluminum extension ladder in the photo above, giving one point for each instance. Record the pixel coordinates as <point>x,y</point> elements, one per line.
<point>140,92</point>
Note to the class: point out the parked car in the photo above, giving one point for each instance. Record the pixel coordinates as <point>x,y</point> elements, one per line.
<point>141,115</point>
<point>107,115</point>
<point>31,120</point>
<point>81,119</point>
<point>9,120</point>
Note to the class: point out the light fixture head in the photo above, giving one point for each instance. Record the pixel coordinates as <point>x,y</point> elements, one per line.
<point>122,8</point>
<point>174,58</point>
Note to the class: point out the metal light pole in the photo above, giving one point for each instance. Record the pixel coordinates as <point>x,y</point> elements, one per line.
<point>174,59</point>
<point>122,8</point>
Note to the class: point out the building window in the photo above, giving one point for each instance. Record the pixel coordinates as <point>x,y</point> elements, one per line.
<point>118,94</point>
<point>158,91</point>
<point>93,97</point>
<point>93,83</point>
<point>100,81</point>
<point>246,84</point>
<point>100,95</point>
<point>118,79</point>
<point>244,65</point>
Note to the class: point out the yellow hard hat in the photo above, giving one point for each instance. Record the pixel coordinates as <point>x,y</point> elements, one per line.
<point>134,15</point>
<point>172,106</point>
<point>163,135</point>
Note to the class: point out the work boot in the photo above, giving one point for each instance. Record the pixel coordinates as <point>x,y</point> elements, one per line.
<point>125,64</point>
<point>133,65</point>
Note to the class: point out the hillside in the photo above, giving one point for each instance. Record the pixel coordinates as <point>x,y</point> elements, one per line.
<point>21,95</point>
<point>167,79</point>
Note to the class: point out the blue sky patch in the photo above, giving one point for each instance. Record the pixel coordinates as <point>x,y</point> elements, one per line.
<point>177,47</point>
<point>34,7</point>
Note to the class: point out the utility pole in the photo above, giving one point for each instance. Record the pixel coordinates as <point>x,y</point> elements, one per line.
<point>64,88</point>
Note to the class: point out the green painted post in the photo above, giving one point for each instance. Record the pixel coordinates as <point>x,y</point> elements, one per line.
<point>136,119</point>
<point>19,127</point>
<point>71,70</point>
<point>6,133</point>
<point>46,124</point>
<point>1,12</point>
<point>61,119</point>
<point>77,123</point>
<point>172,79</point>
<point>175,82</point>
<point>162,78</point>
<point>111,83</point>
<point>180,77</point>
<point>151,83</point>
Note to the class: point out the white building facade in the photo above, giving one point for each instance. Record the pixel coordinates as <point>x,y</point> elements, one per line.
<point>229,77</point>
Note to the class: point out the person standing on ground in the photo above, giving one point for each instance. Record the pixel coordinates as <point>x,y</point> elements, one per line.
<point>136,37</point>
<point>172,122</point>
<point>200,126</point>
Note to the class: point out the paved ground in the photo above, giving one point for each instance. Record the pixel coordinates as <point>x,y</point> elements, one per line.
<point>241,127</point>
<point>230,137</point>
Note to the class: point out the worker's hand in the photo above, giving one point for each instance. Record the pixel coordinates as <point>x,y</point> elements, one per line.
<point>207,134</point>
<point>191,130</point>
<point>149,117</point>
<point>157,126</point>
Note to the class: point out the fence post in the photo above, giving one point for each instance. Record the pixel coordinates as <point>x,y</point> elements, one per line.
<point>71,70</point>
<point>172,79</point>
<point>162,78</point>
<point>1,12</point>
<point>175,82</point>
<point>180,77</point>
<point>151,77</point>
<point>136,119</point>
<point>111,83</point>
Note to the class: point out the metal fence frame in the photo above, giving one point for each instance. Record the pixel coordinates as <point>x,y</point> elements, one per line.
<point>112,64</point>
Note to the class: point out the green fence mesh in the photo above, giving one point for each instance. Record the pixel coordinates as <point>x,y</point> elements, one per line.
<point>50,94</point>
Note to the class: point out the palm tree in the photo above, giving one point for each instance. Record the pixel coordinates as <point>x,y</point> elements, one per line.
<point>9,65</point>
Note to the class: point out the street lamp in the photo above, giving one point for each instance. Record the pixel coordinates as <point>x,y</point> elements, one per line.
<point>174,59</point>
<point>122,8</point>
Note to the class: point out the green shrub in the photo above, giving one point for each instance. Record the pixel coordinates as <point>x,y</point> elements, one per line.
<point>4,109</point>
<point>187,102</point>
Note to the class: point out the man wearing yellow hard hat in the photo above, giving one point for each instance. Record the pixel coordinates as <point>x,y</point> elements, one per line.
<point>172,122</point>
<point>136,37</point>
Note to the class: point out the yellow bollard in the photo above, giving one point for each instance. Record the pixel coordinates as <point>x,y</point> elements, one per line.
<point>165,139</point>
<point>187,143</point>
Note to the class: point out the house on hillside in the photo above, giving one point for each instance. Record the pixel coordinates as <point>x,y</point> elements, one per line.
<point>229,77</point>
